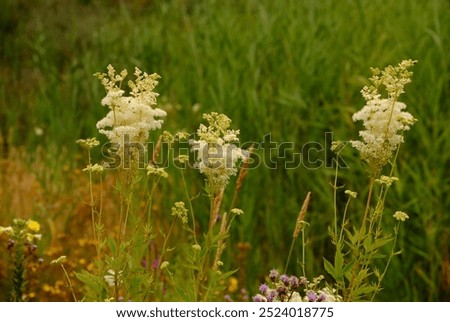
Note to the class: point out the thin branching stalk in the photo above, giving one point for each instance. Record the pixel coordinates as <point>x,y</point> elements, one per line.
<point>91,192</point>
<point>391,255</point>
<point>163,251</point>
<point>69,283</point>
<point>335,188</point>
<point>341,233</point>
<point>191,208</point>
<point>298,227</point>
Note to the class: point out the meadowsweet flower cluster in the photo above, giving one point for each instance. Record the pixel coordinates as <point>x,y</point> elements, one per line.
<point>130,117</point>
<point>400,216</point>
<point>180,211</point>
<point>217,153</point>
<point>94,168</point>
<point>153,170</point>
<point>352,194</point>
<point>283,288</point>
<point>88,143</point>
<point>388,181</point>
<point>384,119</point>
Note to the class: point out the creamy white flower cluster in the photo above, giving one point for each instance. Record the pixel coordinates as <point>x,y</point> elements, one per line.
<point>130,117</point>
<point>217,153</point>
<point>384,119</point>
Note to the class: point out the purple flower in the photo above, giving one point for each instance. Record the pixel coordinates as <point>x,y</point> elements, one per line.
<point>155,264</point>
<point>258,298</point>
<point>312,296</point>
<point>284,279</point>
<point>322,298</point>
<point>273,274</point>
<point>263,288</point>
<point>227,298</point>
<point>282,290</point>
<point>271,296</point>
<point>294,282</point>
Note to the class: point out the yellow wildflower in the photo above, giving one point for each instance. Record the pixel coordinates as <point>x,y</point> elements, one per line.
<point>33,225</point>
<point>233,284</point>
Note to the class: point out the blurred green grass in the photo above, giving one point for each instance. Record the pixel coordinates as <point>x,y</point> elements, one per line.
<point>290,68</point>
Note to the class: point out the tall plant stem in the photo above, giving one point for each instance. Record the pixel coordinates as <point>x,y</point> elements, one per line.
<point>92,204</point>
<point>366,211</point>
<point>191,208</point>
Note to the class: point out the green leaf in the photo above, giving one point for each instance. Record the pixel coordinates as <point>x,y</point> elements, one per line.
<point>376,255</point>
<point>338,264</point>
<point>112,245</point>
<point>364,289</point>
<point>347,268</point>
<point>353,238</point>
<point>329,268</point>
<point>381,242</point>
<point>368,246</point>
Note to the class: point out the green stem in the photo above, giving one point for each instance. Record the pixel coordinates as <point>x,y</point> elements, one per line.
<point>343,221</point>
<point>380,279</point>
<point>18,273</point>
<point>70,283</point>
<point>335,199</point>
<point>366,211</point>
<point>356,267</point>
<point>303,253</point>
<point>91,191</point>
<point>161,257</point>
<point>191,208</point>
<point>289,256</point>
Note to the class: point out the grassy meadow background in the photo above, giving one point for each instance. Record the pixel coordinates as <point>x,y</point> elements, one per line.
<point>290,68</point>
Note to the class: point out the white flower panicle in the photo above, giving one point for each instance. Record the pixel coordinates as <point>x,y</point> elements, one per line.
<point>130,117</point>
<point>384,119</point>
<point>88,143</point>
<point>400,216</point>
<point>393,78</point>
<point>217,152</point>
<point>179,210</point>
<point>94,168</point>
<point>153,170</point>
<point>388,181</point>
<point>352,194</point>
